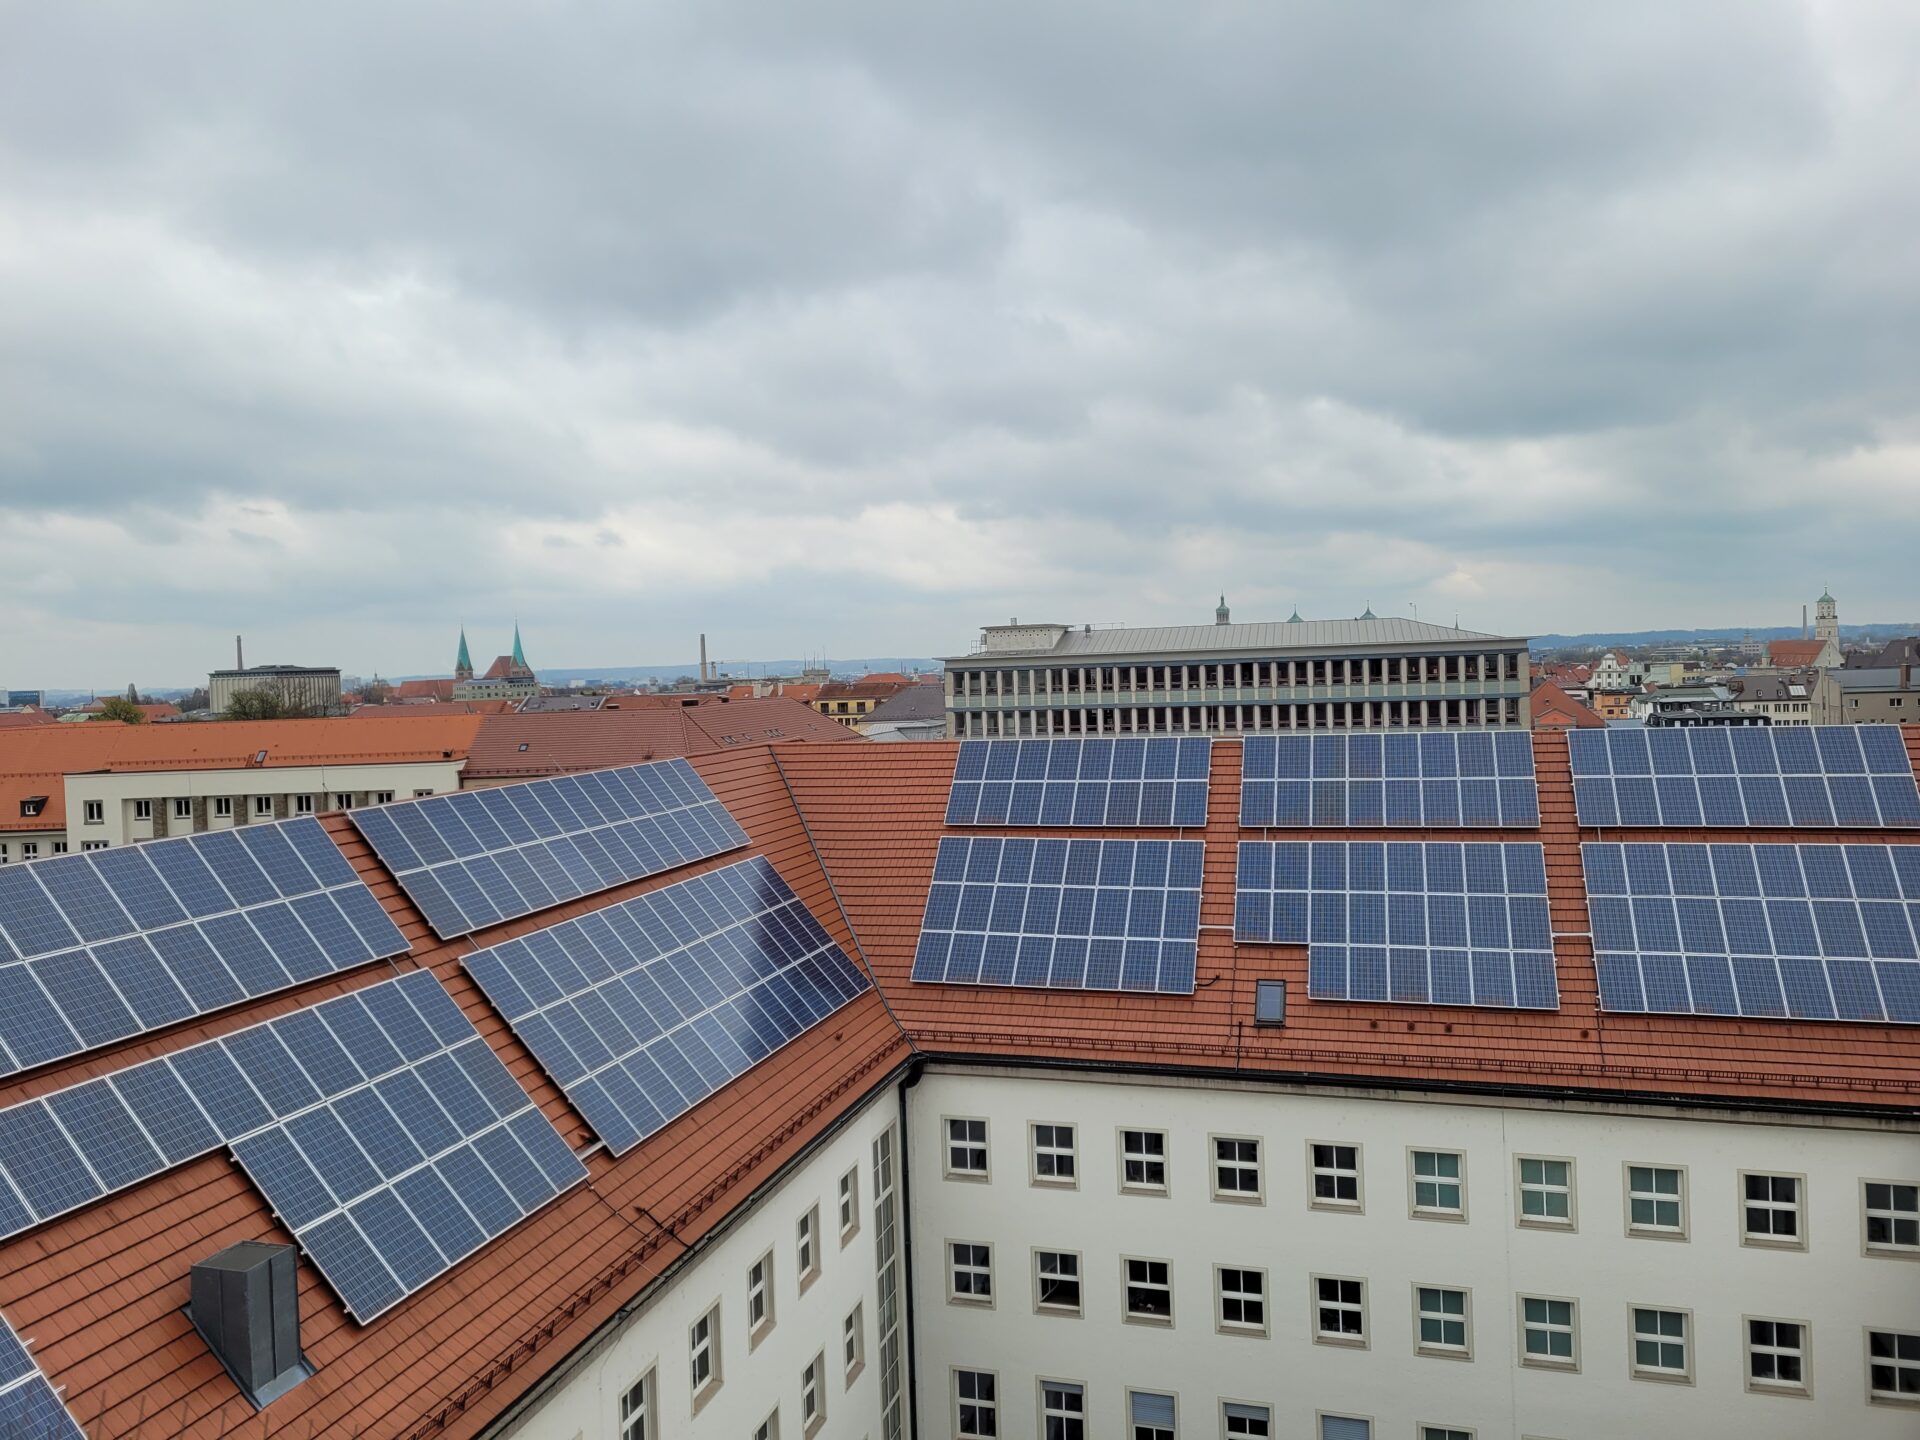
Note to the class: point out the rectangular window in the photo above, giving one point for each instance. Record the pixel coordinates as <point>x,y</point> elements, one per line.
<point>1444,1432</point>
<point>1236,1168</point>
<point>971,1278</point>
<point>263,807</point>
<point>813,1400</point>
<point>1269,1004</point>
<point>1770,1209</point>
<point>1149,1415</point>
<point>1548,1332</point>
<point>383,797</point>
<point>93,844</point>
<point>1345,1427</point>
<point>1660,1343</point>
<point>1245,1422</point>
<point>703,1352</point>
<point>143,809</point>
<point>636,1410</point>
<point>760,1297</point>
<point>94,812</point>
<point>976,1403</point>
<point>303,804</point>
<point>1340,1309</point>
<point>1439,1184</point>
<point>967,1149</point>
<point>223,807</point>
<point>1893,1365</point>
<point>1656,1201</point>
<point>1143,1160</point>
<point>1054,1159</point>
<point>1777,1355</point>
<point>1242,1298</point>
<point>59,847</point>
<point>29,849</point>
<point>806,1255</point>
<point>769,1428</point>
<point>422,794</point>
<point>853,1342</point>
<point>342,802</point>
<point>1546,1191</point>
<point>1149,1290</point>
<point>1056,1281</point>
<point>1063,1410</point>
<point>849,1204</point>
<point>183,809</point>
<point>1893,1215</point>
<point>1441,1321</point>
<point>1336,1175</point>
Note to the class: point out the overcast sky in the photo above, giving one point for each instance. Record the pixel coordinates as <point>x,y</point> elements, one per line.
<point>852,327</point>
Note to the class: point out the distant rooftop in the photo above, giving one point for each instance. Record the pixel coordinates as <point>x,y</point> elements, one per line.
<point>1063,640</point>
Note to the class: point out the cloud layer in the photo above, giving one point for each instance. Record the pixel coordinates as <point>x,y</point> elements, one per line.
<point>852,327</point>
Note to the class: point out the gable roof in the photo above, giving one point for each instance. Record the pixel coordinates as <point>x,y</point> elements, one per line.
<point>915,702</point>
<point>1553,706</point>
<point>94,745</point>
<point>554,742</point>
<point>21,719</point>
<point>1794,654</point>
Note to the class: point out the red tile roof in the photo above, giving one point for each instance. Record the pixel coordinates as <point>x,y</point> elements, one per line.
<point>16,790</point>
<point>1794,654</point>
<point>410,691</point>
<point>519,745</point>
<point>22,719</point>
<point>1553,708</point>
<point>95,745</point>
<point>429,709</point>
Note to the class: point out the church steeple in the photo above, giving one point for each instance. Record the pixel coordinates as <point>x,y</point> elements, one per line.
<point>1220,611</point>
<point>519,656</point>
<point>463,662</point>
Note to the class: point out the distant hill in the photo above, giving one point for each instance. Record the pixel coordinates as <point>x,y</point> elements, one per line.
<point>1633,639</point>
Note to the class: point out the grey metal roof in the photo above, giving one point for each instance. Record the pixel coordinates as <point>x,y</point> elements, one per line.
<point>1874,679</point>
<point>1265,636</point>
<point>915,702</point>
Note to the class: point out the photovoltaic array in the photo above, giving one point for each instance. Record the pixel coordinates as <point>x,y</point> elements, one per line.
<point>1440,923</point>
<point>1063,914</point>
<point>476,857</point>
<point>102,945</point>
<point>1798,776</point>
<point>641,1010</point>
<point>383,1131</point>
<point>30,1408</point>
<point>1448,780</point>
<point>1093,781</point>
<point>1806,932</point>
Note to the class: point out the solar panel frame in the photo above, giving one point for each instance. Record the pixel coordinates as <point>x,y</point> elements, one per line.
<point>1391,779</point>
<point>1825,931</point>
<point>30,1408</point>
<point>1405,922</point>
<point>1103,782</point>
<point>324,1108</point>
<point>1093,914</point>
<point>1803,777</point>
<point>126,975</point>
<point>466,858</point>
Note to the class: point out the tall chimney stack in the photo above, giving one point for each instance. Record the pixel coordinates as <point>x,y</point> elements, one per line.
<point>1803,622</point>
<point>239,661</point>
<point>703,659</point>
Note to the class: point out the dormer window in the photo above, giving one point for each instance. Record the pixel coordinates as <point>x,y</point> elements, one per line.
<point>32,806</point>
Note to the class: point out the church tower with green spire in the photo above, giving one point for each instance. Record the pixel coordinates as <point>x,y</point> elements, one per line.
<point>463,662</point>
<point>520,666</point>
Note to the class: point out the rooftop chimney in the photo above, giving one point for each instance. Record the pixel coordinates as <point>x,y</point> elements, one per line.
<point>246,1306</point>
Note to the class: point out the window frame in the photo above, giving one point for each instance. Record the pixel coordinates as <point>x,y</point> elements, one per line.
<point>93,812</point>
<point>1571,1224</point>
<point>982,1176</point>
<point>1417,1211</point>
<point>223,807</point>
<point>1320,1429</point>
<point>1133,1431</point>
<point>956,1296</point>
<point>1164,1188</point>
<point>302,805</point>
<point>637,1423</point>
<point>1361,1341</point>
<point>1226,1400</point>
<point>1659,1375</point>
<point>853,1344</point>
<point>182,809</point>
<point>813,1394</point>
<point>759,1330</point>
<point>1638,1230</point>
<point>1255,1196</point>
<point>1440,1349</point>
<point>262,808</point>
<point>1772,1242</point>
<point>1128,1315</point>
<point>1224,1326</point>
<point>702,1390</point>
<point>1528,1359</point>
<point>1801,1389</point>
<point>1047,1307</point>
<point>1428,1430</point>
<point>1054,1151</point>
<point>1885,1250</point>
<point>806,1248</point>
<point>1894,1398</point>
<point>1078,1387</point>
<point>848,1200</point>
<point>1355,1206</point>
<point>956,1401</point>
<point>143,811</point>
<point>769,1428</point>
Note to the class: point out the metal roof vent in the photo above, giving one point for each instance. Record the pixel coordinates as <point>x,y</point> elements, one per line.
<point>245,1302</point>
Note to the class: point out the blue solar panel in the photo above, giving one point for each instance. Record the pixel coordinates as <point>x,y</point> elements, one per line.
<point>476,857</point>
<point>1063,914</point>
<point>639,1010</point>
<point>1102,781</point>
<point>1393,779</point>
<point>99,946</point>
<point>1804,777</point>
<point>377,1124</point>
<point>30,1408</point>
<point>1439,922</point>
<point>1811,932</point>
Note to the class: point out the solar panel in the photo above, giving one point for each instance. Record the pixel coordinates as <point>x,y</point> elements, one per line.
<point>384,1132</point>
<point>641,1010</point>
<point>1446,780</point>
<point>476,857</point>
<point>1434,923</point>
<point>1092,781</point>
<point>1804,932</point>
<point>1800,777</point>
<point>1062,914</point>
<point>30,1408</point>
<point>105,944</point>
